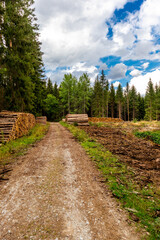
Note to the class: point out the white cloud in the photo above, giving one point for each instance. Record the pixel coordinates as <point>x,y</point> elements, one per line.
<point>135,73</point>
<point>118,71</point>
<point>141,81</point>
<point>80,68</point>
<point>145,65</point>
<point>103,66</point>
<point>134,38</point>
<point>76,70</point>
<point>75,31</point>
<point>116,84</point>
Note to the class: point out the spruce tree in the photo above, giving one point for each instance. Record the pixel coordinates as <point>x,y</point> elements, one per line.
<point>49,87</point>
<point>84,93</point>
<point>107,97</point>
<point>2,51</point>
<point>67,92</point>
<point>133,102</point>
<point>157,101</point>
<point>112,100</point>
<point>140,107</point>
<point>97,98</point>
<point>56,90</point>
<point>22,61</point>
<point>103,88</point>
<point>149,100</point>
<point>119,99</point>
<point>127,100</point>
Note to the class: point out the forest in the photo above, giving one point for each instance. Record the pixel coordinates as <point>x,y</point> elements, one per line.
<point>24,87</point>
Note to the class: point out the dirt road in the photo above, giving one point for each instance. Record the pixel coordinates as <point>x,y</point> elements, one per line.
<point>54,193</point>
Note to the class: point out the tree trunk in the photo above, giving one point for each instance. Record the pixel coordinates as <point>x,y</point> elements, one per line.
<point>150,111</point>
<point>133,113</point>
<point>128,108</point>
<point>107,110</point>
<point>112,111</point>
<point>120,110</point>
<point>68,103</point>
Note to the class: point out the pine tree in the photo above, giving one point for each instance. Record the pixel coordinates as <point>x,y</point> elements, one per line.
<point>56,90</point>
<point>97,98</point>
<point>112,100</point>
<point>22,57</point>
<point>2,50</point>
<point>84,93</point>
<point>107,97</point>
<point>119,99</point>
<point>149,100</point>
<point>49,87</point>
<point>103,88</point>
<point>140,107</point>
<point>133,101</point>
<point>67,92</point>
<point>157,101</point>
<point>127,99</point>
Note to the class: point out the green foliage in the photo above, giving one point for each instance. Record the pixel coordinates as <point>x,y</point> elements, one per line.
<point>84,93</point>
<point>140,107</point>
<point>149,100</point>
<point>112,100</point>
<point>142,203</point>
<point>49,89</point>
<point>119,99</point>
<point>153,136</point>
<point>68,92</point>
<point>21,59</point>
<point>52,108</point>
<point>133,102</point>
<point>96,98</point>
<point>56,91</point>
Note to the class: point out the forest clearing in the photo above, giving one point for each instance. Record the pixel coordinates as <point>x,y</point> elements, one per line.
<point>54,191</point>
<point>79,120</point>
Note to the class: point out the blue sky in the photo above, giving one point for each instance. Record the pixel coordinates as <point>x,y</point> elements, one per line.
<point>121,36</point>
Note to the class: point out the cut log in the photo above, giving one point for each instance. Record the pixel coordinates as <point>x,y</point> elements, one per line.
<point>14,125</point>
<point>83,124</point>
<point>104,119</point>
<point>41,120</point>
<point>78,118</point>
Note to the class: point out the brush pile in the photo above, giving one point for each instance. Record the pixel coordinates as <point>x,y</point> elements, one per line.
<point>41,120</point>
<point>104,119</point>
<point>79,119</point>
<point>14,125</point>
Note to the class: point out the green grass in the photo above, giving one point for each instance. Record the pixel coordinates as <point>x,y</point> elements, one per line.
<point>149,135</point>
<point>142,203</point>
<point>17,147</point>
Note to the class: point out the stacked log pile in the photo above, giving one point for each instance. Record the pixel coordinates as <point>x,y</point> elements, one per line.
<point>41,120</point>
<point>80,119</point>
<point>14,125</point>
<point>104,119</point>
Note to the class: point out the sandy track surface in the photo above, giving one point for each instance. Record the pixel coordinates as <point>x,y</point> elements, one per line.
<point>55,193</point>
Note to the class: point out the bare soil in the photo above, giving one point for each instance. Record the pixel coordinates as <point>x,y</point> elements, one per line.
<point>55,192</point>
<point>140,154</point>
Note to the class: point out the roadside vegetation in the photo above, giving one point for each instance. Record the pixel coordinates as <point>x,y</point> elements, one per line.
<point>12,149</point>
<point>141,202</point>
<point>149,135</point>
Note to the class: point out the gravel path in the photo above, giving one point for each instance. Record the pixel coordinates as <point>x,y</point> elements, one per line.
<point>54,192</point>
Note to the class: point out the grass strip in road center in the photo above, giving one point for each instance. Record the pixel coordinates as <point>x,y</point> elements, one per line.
<point>142,202</point>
